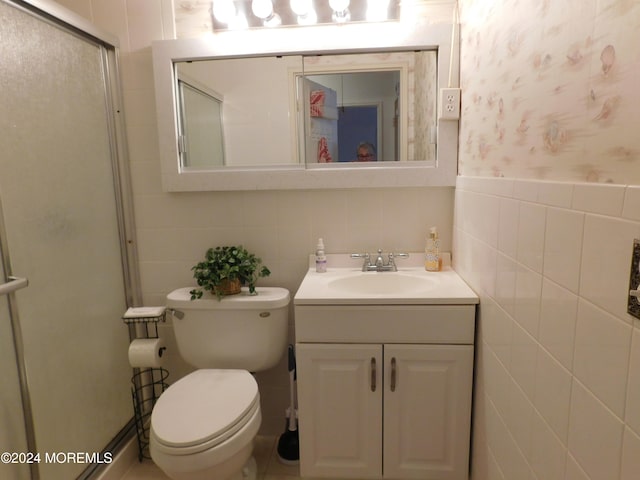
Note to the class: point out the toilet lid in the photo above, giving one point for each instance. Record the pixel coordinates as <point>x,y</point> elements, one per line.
<point>203,405</point>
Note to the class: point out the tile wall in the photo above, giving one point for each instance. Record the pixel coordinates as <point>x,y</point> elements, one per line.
<point>558,358</point>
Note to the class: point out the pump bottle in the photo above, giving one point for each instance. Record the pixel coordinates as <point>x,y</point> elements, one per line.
<point>321,258</point>
<point>433,263</point>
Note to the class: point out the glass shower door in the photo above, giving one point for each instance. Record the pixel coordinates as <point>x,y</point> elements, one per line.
<point>60,196</point>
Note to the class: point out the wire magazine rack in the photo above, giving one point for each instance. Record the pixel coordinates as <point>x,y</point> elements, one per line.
<point>147,384</point>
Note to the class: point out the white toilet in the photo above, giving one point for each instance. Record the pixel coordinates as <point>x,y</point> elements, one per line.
<point>203,426</point>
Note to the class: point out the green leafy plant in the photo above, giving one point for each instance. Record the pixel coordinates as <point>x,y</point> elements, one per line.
<point>224,264</point>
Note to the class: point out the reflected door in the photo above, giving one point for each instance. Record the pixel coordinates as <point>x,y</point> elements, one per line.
<point>357,124</point>
<point>321,123</point>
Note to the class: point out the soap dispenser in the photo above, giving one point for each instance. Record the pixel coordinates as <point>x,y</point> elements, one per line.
<point>433,262</point>
<point>321,258</point>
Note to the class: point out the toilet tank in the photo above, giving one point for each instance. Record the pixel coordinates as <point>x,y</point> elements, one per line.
<point>242,331</point>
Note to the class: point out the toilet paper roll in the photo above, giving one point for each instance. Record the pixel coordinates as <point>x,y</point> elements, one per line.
<point>146,352</point>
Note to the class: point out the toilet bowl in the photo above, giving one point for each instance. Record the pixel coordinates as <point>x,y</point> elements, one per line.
<point>207,420</point>
<point>203,426</point>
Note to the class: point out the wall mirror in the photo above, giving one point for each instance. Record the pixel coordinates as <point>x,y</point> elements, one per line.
<point>248,113</point>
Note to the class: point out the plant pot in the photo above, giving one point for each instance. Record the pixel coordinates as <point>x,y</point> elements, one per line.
<point>228,287</point>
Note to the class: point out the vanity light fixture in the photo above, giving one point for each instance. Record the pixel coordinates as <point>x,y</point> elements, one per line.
<point>239,14</point>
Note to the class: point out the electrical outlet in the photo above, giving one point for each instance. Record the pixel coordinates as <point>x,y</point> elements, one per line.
<point>450,103</point>
<point>633,304</point>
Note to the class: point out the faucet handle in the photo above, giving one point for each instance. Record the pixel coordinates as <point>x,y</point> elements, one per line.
<point>393,256</point>
<point>366,263</point>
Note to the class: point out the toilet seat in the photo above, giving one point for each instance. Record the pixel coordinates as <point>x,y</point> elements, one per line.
<point>204,409</point>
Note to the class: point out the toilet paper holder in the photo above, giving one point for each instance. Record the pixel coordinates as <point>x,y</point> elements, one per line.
<point>147,383</point>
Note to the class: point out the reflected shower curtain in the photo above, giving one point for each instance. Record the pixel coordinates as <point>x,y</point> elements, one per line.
<point>57,188</point>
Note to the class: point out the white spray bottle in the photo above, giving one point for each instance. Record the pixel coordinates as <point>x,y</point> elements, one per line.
<point>321,258</point>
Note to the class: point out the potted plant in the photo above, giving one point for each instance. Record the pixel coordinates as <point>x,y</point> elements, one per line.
<point>225,270</point>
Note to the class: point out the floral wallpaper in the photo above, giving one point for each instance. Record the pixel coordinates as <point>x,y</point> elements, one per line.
<point>550,89</point>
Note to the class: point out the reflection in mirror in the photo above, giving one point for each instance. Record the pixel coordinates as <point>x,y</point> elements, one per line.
<point>369,107</point>
<point>258,105</point>
<point>385,100</point>
<point>200,137</point>
<point>353,111</point>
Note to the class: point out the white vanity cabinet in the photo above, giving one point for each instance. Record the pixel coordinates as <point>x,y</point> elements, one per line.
<point>384,391</point>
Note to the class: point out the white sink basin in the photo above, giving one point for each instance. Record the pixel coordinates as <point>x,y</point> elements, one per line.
<point>345,283</point>
<point>383,283</point>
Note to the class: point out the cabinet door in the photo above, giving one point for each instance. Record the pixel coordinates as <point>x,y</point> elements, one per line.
<point>340,410</point>
<point>427,411</point>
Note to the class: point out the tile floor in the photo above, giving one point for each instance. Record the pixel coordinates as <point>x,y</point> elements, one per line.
<point>269,468</point>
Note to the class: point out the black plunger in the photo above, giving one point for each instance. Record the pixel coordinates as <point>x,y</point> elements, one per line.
<point>288,444</point>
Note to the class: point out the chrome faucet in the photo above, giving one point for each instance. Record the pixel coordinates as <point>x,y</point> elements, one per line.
<point>379,265</point>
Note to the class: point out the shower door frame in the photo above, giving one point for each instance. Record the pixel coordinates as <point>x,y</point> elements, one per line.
<point>59,16</point>
<point>8,288</point>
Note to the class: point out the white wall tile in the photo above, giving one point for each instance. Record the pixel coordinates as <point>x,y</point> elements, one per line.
<point>548,453</point>
<point>519,417</point>
<point>489,210</point>
<point>595,435</point>
<point>563,247</point>
<point>505,292</point>
<point>598,198</point>
<point>531,232</point>
<point>81,7</point>
<point>496,381</point>
<point>630,456</point>
<point>524,351</point>
<point>145,22</point>
<point>497,329</point>
<point>558,313</point>
<point>526,190</point>
<point>510,458</point>
<point>606,256</point>
<point>557,194</point>
<point>111,16</point>
<point>553,394</point>
<point>486,207</point>
<point>601,357</point>
<point>574,471</point>
<point>632,413</point>
<point>527,300</point>
<point>631,208</point>
<point>508,226</point>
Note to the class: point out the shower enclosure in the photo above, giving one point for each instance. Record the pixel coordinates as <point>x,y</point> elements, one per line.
<point>65,228</point>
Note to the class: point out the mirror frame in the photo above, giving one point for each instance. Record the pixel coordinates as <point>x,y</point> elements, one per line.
<point>329,39</point>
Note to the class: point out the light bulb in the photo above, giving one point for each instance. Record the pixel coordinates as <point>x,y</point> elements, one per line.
<point>224,10</point>
<point>300,7</point>
<point>262,8</point>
